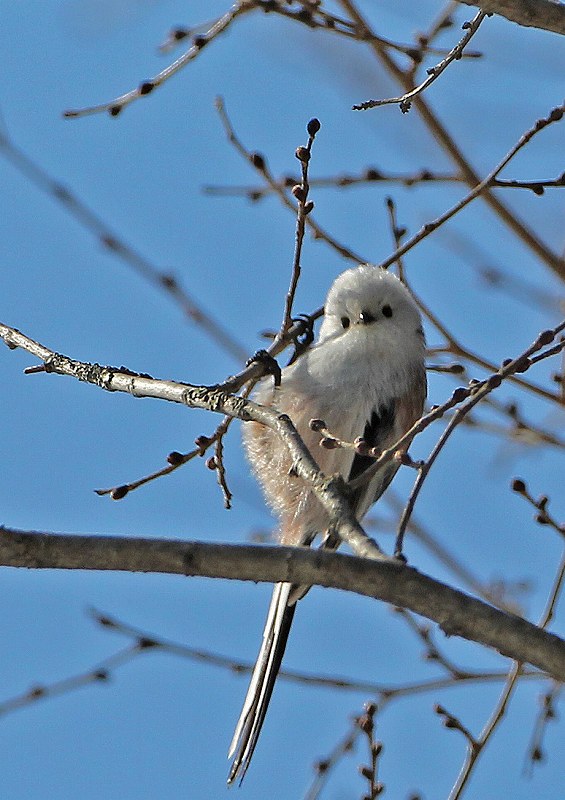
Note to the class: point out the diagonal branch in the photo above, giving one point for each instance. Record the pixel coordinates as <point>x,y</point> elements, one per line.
<point>447,142</point>
<point>433,73</point>
<point>330,492</point>
<point>555,115</point>
<point>118,247</point>
<point>257,161</point>
<point>115,106</point>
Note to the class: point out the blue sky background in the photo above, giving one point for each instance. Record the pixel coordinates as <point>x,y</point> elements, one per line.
<point>161,727</point>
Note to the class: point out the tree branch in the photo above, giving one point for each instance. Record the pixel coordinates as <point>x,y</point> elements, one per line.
<point>553,259</point>
<point>330,491</point>
<point>456,613</point>
<point>433,74</point>
<point>547,15</point>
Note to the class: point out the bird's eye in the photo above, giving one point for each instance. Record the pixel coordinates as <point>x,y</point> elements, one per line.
<point>345,322</point>
<point>387,311</point>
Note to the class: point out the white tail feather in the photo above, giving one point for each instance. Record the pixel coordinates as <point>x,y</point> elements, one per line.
<point>258,694</point>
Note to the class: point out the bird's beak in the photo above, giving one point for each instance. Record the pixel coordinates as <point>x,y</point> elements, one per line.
<point>365,318</point>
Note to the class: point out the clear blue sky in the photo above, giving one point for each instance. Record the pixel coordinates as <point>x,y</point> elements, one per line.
<point>161,727</point>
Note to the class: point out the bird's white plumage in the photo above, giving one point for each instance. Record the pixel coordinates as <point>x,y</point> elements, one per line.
<point>364,376</point>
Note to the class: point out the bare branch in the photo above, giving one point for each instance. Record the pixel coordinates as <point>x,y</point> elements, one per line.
<point>346,180</point>
<point>329,491</point>
<point>553,260</point>
<point>304,207</point>
<point>115,106</point>
<point>556,115</point>
<point>456,613</point>
<point>257,161</point>
<point>537,187</point>
<point>433,73</point>
<point>547,713</point>
<point>307,13</point>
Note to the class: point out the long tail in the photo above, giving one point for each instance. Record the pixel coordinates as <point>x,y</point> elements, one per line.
<point>265,671</point>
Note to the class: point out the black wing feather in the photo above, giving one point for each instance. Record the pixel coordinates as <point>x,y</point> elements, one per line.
<point>377,429</point>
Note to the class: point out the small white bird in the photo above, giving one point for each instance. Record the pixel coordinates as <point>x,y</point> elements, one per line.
<point>365,377</point>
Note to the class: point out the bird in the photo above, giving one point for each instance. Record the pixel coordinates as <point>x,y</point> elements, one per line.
<point>364,377</point>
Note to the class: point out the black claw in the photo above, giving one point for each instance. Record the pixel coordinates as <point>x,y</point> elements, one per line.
<point>303,340</point>
<point>269,364</point>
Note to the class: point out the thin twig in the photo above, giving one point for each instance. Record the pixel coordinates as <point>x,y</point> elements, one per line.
<point>556,115</point>
<point>257,161</point>
<point>343,181</point>
<point>407,98</point>
<point>116,106</point>
<point>474,395</point>
<point>554,594</point>
<point>397,235</point>
<point>537,187</point>
<point>432,651</point>
<point>547,713</point>
<point>476,746</point>
<point>542,516</point>
<point>176,460</point>
<point>99,674</point>
<point>366,724</point>
<point>443,20</point>
<point>553,260</point>
<point>304,207</point>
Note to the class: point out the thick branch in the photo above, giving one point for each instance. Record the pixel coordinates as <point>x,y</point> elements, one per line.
<point>456,613</point>
<point>545,14</point>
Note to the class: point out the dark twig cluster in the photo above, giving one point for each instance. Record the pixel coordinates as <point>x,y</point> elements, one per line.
<point>450,146</point>
<point>547,713</point>
<point>542,515</point>
<point>305,12</point>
